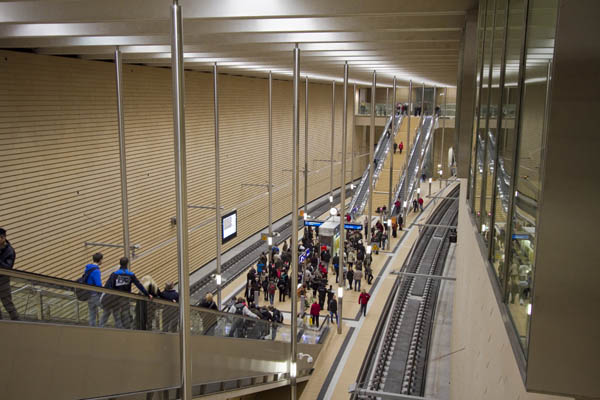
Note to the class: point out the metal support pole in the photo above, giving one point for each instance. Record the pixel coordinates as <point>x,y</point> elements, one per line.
<point>122,154</point>
<point>387,99</point>
<point>443,129</point>
<point>270,166</point>
<point>294,241</point>
<point>181,198</point>
<point>217,182</point>
<point>432,142</point>
<point>352,138</point>
<point>391,147</point>
<point>371,155</point>
<point>341,281</point>
<point>407,154</point>
<point>306,150</point>
<point>332,140</point>
<point>423,102</point>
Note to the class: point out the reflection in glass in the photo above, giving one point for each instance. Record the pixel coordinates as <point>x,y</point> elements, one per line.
<point>507,135</point>
<point>539,52</point>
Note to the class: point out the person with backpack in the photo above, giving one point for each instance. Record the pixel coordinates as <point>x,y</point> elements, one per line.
<point>282,286</point>
<point>322,290</point>
<point>92,276</point>
<point>120,280</point>
<point>329,295</point>
<point>363,299</point>
<point>239,308</point>
<point>277,319</point>
<point>358,274</point>
<point>265,288</point>
<point>332,305</point>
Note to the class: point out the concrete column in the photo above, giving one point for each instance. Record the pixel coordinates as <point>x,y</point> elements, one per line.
<point>465,96</point>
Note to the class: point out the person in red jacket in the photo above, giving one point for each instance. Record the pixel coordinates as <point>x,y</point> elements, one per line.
<point>315,309</point>
<point>420,203</point>
<point>400,147</point>
<point>363,299</point>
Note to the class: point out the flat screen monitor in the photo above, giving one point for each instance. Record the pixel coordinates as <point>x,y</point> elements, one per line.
<point>229,226</point>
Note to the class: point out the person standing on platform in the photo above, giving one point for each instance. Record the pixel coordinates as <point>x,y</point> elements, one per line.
<point>395,147</point>
<point>329,295</point>
<point>420,203</point>
<point>93,278</point>
<point>358,274</point>
<point>415,205</point>
<point>336,267</point>
<point>315,310</point>
<point>395,229</point>
<point>350,277</point>
<point>363,299</point>
<point>7,261</point>
<point>400,147</point>
<point>332,306</point>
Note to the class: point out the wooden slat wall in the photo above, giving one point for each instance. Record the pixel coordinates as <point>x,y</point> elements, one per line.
<point>61,183</point>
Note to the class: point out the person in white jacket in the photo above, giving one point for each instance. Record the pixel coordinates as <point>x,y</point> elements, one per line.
<point>239,307</point>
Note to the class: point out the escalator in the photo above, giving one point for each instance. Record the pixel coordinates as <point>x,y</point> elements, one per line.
<point>361,195</point>
<point>52,352</point>
<point>416,160</point>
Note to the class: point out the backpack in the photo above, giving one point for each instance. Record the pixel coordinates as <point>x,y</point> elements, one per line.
<point>82,294</point>
<point>278,316</point>
<point>239,308</point>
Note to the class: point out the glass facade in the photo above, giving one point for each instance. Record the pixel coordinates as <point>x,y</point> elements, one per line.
<point>515,51</point>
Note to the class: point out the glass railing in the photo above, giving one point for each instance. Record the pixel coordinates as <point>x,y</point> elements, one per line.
<point>381,110</point>
<point>38,298</point>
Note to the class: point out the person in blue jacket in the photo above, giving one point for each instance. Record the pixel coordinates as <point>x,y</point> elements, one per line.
<point>93,278</point>
<point>121,280</point>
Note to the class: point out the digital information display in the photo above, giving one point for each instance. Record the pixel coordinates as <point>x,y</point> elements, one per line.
<point>228,226</point>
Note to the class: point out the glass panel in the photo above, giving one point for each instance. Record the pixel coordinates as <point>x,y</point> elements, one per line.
<point>492,132</point>
<point>539,52</point>
<point>506,137</point>
<point>480,34</point>
<point>483,110</point>
<point>37,300</point>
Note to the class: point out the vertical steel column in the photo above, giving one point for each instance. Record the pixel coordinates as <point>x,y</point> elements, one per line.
<point>387,99</point>
<point>391,147</point>
<point>431,142</point>
<point>341,282</point>
<point>294,242</point>
<point>181,197</point>
<point>217,180</point>
<point>122,154</point>
<point>444,128</point>
<point>407,154</point>
<point>270,183</point>
<point>332,141</point>
<point>371,154</point>
<point>423,102</point>
<point>352,138</point>
<point>306,149</point>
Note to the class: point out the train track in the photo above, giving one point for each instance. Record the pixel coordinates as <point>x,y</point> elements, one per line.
<point>396,361</point>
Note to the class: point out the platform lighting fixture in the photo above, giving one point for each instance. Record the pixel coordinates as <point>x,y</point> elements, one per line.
<point>218,279</point>
<point>352,186</point>
<point>305,217</point>
<point>418,190</point>
<point>340,292</point>
<point>331,199</point>
<point>430,180</point>
<point>440,172</point>
<point>389,223</point>
<point>270,241</point>
<point>404,204</point>
<point>333,211</point>
<point>293,370</point>
<point>529,309</point>
<point>439,165</point>
<point>483,228</point>
<point>369,249</point>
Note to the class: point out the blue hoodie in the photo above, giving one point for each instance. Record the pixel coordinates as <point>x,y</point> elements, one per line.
<point>94,277</point>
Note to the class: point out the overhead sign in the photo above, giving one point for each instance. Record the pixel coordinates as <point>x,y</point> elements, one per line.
<point>313,223</point>
<point>353,227</point>
<point>304,256</point>
<point>520,236</point>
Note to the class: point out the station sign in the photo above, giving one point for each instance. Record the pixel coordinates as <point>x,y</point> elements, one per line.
<point>312,223</point>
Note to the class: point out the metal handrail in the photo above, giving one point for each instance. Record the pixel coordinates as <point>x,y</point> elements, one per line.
<point>66,285</point>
